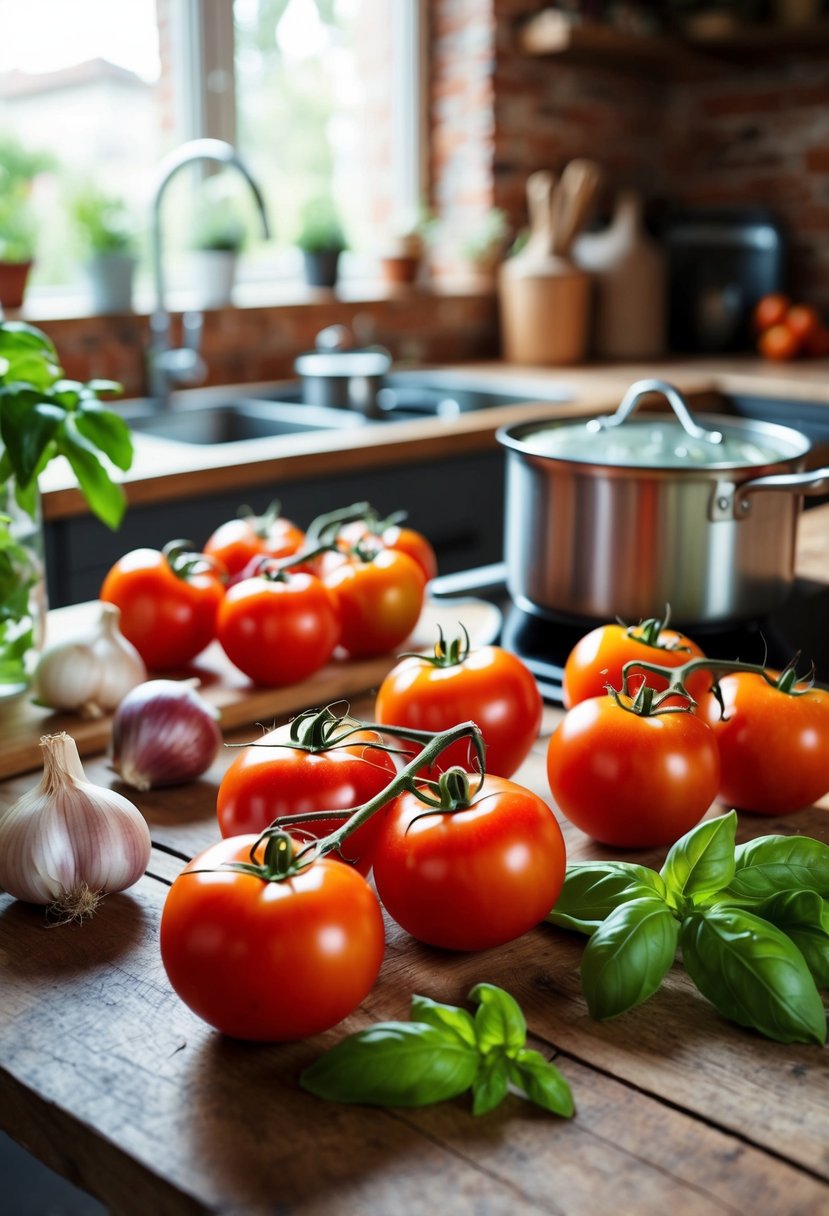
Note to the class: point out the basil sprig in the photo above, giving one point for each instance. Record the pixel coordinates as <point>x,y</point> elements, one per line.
<point>751,924</point>
<point>441,1053</point>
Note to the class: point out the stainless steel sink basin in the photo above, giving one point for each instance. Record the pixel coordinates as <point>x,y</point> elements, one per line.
<point>210,416</point>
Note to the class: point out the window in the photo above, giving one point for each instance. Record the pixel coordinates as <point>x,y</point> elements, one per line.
<point>320,97</point>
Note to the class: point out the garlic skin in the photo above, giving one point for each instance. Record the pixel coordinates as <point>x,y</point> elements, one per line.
<point>67,839</point>
<point>91,674</point>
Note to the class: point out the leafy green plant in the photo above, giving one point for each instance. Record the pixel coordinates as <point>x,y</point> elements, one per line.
<point>43,416</point>
<point>751,923</point>
<point>441,1053</point>
<point>320,228</point>
<point>18,167</point>
<point>104,222</point>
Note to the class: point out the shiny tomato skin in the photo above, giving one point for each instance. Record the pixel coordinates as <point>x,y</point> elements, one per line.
<point>470,879</point>
<point>269,779</point>
<point>597,660</point>
<point>770,310</point>
<point>803,320</point>
<point>632,781</point>
<point>167,618</point>
<point>238,542</point>
<point>406,540</point>
<point>774,747</point>
<point>379,601</point>
<point>270,961</point>
<point>278,632</point>
<point>779,343</point>
<point>490,687</point>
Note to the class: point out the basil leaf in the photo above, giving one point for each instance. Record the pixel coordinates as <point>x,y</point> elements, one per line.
<point>593,889</point>
<point>448,1017</point>
<point>541,1082</point>
<point>499,1021</point>
<point>778,863</point>
<point>804,917</point>
<point>627,957</point>
<point>18,336</point>
<point>491,1084</point>
<point>107,432</point>
<point>702,861</point>
<point>753,974</point>
<point>28,425</point>
<point>394,1064</point>
<point>106,498</point>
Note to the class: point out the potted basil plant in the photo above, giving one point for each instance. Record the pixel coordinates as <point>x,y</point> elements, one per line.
<point>44,416</point>
<point>108,234</point>
<point>321,241</point>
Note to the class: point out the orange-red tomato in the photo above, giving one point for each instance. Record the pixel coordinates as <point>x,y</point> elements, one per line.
<point>803,320</point>
<point>406,540</point>
<point>770,310</point>
<point>379,600</point>
<point>779,342</point>
<point>238,541</point>
<point>597,659</point>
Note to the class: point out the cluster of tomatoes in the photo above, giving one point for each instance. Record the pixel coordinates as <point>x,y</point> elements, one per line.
<point>788,330</point>
<point>474,865</point>
<point>278,601</point>
<point>632,774</point>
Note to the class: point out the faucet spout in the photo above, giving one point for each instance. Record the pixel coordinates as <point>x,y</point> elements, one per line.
<point>166,365</point>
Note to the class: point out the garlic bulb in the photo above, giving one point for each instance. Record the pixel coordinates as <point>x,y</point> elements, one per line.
<point>91,674</point>
<point>67,842</point>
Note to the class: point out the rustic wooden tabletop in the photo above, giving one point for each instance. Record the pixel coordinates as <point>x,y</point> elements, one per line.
<point>107,1077</point>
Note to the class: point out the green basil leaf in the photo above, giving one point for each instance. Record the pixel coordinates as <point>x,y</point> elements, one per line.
<point>627,957</point>
<point>105,498</point>
<point>28,424</point>
<point>702,861</point>
<point>491,1084</point>
<point>804,917</point>
<point>394,1064</point>
<point>541,1082</point>
<point>753,974</point>
<point>106,386</point>
<point>18,336</point>
<point>106,431</point>
<point>592,890</point>
<point>447,1017</point>
<point>778,863</point>
<point>31,369</point>
<point>499,1021</point>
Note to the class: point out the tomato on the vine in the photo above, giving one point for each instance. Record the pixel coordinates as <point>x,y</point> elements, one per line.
<point>773,742</point>
<point>597,659</point>
<point>486,685</point>
<point>168,601</point>
<point>239,541</point>
<point>270,959</point>
<point>473,877</point>
<point>279,626</point>
<point>379,595</point>
<point>276,776</point>
<point>632,779</point>
<point>393,536</point>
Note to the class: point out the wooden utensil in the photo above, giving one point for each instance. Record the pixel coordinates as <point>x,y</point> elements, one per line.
<point>539,187</point>
<point>572,199</point>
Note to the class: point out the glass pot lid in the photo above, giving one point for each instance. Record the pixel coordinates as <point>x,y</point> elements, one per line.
<point>658,441</point>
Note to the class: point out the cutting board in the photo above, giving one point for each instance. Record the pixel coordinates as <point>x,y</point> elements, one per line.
<point>240,703</point>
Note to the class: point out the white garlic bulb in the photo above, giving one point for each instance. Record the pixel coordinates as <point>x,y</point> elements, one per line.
<point>66,842</point>
<point>90,674</point>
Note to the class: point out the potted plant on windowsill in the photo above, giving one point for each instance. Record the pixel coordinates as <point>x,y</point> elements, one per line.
<point>321,241</point>
<point>18,168</point>
<point>107,230</point>
<point>219,237</point>
<point>44,416</point>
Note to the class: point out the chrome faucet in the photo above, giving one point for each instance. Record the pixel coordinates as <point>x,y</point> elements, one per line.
<point>167,366</point>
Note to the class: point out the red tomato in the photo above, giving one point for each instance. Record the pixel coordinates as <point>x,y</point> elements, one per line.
<point>168,602</point>
<point>774,746</point>
<point>270,779</point>
<point>475,878</point>
<point>392,536</point>
<point>379,600</point>
<point>239,541</point>
<point>779,343</point>
<point>803,320</point>
<point>597,660</point>
<point>279,630</point>
<point>271,961</point>
<point>770,310</point>
<point>488,686</point>
<point>630,780</point>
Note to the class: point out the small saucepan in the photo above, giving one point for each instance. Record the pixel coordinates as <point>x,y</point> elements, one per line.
<point>340,375</point>
<point>623,516</point>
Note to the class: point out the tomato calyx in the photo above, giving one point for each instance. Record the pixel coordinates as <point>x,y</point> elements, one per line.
<point>280,860</point>
<point>452,791</point>
<point>326,526</point>
<point>185,561</point>
<point>452,654</point>
<point>786,682</point>
<point>649,633</point>
<point>263,524</point>
<point>648,701</point>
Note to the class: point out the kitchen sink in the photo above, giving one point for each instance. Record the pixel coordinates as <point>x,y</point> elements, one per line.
<point>208,417</point>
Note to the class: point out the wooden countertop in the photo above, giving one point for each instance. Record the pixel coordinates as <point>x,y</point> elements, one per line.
<point>107,1076</point>
<point>163,471</point>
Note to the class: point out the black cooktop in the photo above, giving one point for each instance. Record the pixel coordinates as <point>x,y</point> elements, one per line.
<point>801,624</point>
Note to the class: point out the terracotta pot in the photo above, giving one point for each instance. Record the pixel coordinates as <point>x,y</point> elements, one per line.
<point>13,277</point>
<point>400,268</point>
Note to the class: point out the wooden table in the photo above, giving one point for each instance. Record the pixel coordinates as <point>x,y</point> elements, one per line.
<point>107,1077</point>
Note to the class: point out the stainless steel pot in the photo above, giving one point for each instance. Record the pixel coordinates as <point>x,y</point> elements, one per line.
<point>339,375</point>
<point>621,516</point>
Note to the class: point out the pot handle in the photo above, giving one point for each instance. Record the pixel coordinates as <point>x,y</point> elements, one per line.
<point>673,396</point>
<point>732,501</point>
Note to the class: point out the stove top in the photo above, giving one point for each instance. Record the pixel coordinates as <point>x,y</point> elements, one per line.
<point>800,624</point>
